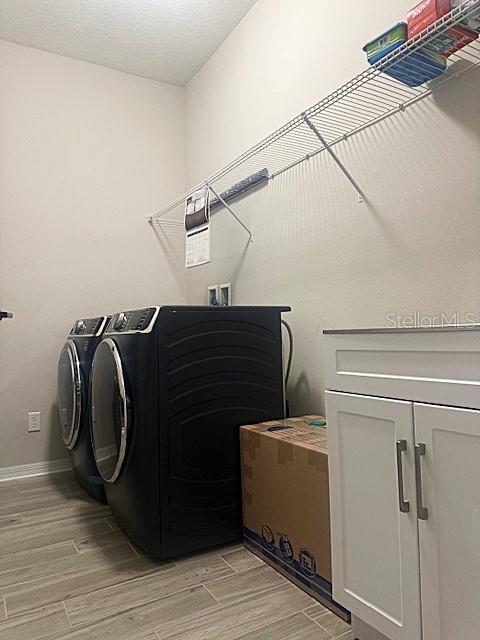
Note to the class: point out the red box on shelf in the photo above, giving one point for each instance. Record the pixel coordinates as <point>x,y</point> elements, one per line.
<point>452,40</point>
<point>426,13</point>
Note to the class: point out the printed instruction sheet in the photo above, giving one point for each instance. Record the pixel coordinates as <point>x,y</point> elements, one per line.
<point>197,226</point>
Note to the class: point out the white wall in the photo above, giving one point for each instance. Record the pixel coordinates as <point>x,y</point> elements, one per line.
<point>86,153</point>
<point>414,247</point>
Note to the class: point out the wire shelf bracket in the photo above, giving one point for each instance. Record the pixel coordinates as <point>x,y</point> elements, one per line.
<point>361,196</point>
<point>230,210</point>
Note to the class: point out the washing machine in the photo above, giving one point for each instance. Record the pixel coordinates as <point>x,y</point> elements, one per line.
<point>170,387</point>
<point>73,397</point>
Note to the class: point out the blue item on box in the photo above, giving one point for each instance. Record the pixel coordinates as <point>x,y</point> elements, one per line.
<point>414,68</point>
<point>304,570</point>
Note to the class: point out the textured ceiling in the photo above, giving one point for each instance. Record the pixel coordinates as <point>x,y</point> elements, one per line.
<point>168,40</point>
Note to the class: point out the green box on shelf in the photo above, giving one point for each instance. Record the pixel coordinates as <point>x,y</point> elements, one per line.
<point>386,43</point>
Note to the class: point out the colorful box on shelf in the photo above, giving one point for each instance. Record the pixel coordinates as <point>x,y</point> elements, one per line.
<point>386,43</point>
<point>451,40</point>
<point>426,13</point>
<point>472,21</point>
<point>414,68</point>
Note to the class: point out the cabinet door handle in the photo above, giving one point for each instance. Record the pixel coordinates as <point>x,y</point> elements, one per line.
<point>420,450</point>
<point>404,504</point>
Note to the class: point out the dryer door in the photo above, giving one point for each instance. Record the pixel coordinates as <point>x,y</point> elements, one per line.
<point>69,393</point>
<point>109,410</point>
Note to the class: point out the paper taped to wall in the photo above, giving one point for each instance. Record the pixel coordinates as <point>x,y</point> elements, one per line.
<point>197,226</point>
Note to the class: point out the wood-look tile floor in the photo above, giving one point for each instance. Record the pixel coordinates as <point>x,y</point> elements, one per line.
<point>68,572</point>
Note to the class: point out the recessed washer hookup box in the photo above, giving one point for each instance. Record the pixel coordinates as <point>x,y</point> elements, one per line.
<point>286,504</point>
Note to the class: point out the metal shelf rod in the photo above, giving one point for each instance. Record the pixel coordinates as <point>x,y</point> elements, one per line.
<point>361,196</point>
<point>230,210</point>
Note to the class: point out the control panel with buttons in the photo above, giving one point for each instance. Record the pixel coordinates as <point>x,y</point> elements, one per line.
<point>138,320</point>
<point>88,326</point>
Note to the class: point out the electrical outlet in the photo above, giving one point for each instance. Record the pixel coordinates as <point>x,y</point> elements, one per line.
<point>34,421</point>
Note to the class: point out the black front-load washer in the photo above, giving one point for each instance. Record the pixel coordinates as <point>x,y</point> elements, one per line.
<point>73,397</point>
<point>170,388</point>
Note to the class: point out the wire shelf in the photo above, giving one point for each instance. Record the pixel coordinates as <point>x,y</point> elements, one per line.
<point>367,99</point>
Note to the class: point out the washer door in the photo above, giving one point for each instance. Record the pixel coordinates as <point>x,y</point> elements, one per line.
<point>69,393</point>
<point>109,410</point>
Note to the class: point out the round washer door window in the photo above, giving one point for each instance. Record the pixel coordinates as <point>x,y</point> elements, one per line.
<point>109,410</point>
<point>69,393</point>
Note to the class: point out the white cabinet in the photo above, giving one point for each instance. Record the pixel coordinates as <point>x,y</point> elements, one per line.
<point>405,481</point>
<point>375,559</point>
<point>450,537</point>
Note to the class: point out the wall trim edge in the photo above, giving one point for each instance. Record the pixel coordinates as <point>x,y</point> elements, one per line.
<point>34,469</point>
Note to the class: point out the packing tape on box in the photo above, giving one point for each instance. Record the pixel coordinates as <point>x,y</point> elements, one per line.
<point>247,498</point>
<point>317,460</point>
<point>284,452</point>
<point>247,472</point>
<point>250,442</point>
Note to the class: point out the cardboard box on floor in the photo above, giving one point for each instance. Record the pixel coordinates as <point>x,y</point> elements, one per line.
<point>286,505</point>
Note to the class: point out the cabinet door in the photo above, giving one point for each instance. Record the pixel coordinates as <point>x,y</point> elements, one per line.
<point>374,530</point>
<point>450,536</point>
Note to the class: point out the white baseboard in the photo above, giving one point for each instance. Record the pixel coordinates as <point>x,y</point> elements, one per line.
<point>34,469</point>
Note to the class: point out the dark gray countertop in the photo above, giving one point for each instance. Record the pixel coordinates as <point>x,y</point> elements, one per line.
<point>449,327</point>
